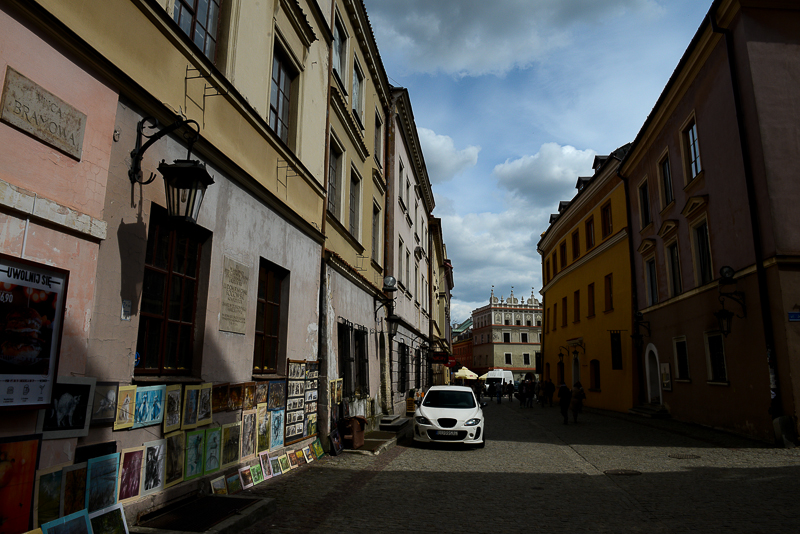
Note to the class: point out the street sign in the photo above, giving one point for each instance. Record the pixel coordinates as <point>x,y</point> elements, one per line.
<point>794,317</point>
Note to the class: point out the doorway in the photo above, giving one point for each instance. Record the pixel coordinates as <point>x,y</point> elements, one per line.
<point>653,376</point>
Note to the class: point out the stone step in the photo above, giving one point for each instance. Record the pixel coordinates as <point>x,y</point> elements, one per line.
<point>655,411</point>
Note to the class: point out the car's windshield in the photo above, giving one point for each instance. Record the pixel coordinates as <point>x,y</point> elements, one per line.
<point>449,399</point>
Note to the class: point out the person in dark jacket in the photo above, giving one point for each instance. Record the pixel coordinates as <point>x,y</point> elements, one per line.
<point>550,390</point>
<point>564,399</point>
<point>576,403</point>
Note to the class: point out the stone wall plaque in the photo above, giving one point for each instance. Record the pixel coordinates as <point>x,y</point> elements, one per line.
<point>38,112</point>
<point>235,278</point>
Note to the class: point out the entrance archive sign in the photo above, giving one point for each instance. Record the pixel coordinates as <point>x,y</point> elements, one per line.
<point>40,113</point>
<point>32,298</point>
<point>235,278</point>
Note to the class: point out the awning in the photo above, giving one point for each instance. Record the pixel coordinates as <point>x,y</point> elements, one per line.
<point>466,374</point>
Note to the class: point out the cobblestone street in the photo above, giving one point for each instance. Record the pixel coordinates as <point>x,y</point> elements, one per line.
<point>537,474</point>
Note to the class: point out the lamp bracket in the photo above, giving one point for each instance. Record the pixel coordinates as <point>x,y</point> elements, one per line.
<point>640,322</point>
<point>736,296</point>
<point>137,153</point>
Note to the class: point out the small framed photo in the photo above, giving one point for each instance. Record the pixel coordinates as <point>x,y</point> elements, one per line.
<point>275,466</point>
<point>309,456</point>
<point>104,406</point>
<point>245,477</point>
<point>172,415</point>
<point>191,398</point>
<point>130,474</point>
<point>292,458</point>
<point>218,486</point>
<point>256,473</point>
<point>109,520</point>
<point>126,403</point>
<point>266,468</point>
<point>204,408</point>
<point>336,442</point>
<point>71,409</point>
<point>234,483</point>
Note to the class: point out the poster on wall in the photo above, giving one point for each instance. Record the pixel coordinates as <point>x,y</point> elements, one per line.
<point>32,298</point>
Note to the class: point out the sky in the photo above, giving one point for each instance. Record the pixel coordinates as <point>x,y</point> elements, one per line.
<point>512,101</point>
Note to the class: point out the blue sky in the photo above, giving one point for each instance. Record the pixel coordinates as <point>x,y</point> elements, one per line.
<point>512,100</point>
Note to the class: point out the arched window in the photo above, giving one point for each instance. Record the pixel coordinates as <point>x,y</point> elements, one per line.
<point>594,374</point>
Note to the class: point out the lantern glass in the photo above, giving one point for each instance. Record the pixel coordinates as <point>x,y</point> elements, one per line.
<point>185,183</point>
<point>725,320</point>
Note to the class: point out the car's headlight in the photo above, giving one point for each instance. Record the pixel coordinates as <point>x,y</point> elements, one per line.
<point>422,420</point>
<point>472,422</point>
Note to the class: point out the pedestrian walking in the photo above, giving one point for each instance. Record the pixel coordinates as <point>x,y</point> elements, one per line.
<point>564,399</point>
<point>491,391</point>
<point>551,390</point>
<point>510,391</point>
<point>531,393</point>
<point>576,403</point>
<point>499,393</point>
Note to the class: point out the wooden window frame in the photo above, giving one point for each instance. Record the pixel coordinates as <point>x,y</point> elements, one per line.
<point>269,323</point>
<point>606,220</point>
<point>588,230</point>
<point>576,245</point>
<point>198,30</point>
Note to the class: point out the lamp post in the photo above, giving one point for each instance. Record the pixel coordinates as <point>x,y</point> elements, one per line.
<point>724,316</point>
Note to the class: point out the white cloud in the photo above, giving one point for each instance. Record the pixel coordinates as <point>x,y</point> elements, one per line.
<point>442,159</point>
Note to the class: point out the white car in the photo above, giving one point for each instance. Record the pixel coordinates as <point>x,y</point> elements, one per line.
<point>449,414</point>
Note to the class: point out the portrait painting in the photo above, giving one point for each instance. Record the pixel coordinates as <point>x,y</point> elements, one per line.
<point>310,425</point>
<point>173,468</point>
<point>101,482</point>
<point>307,454</point>
<point>276,430</point>
<point>47,495</point>
<point>172,410</point>
<point>73,489</point>
<point>155,458</point>
<point>231,439</point>
<point>234,483</point>
<point>263,418</point>
<point>276,398</point>
<point>266,469</point>
<point>235,396</point>
<point>249,399</point>
<point>212,455</point>
<point>256,473</point>
<point>218,486</point>
<point>285,465</point>
<point>77,523</point>
<point>69,413</point>
<point>130,474</point>
<point>104,406</point>
<point>126,402</point>
<point>316,446</point>
<point>195,448</point>
<point>191,397</point>
<point>149,408</point>
<point>275,466</point>
<point>109,520</point>
<point>219,398</point>
<point>246,477</point>
<point>248,435</point>
<point>204,408</point>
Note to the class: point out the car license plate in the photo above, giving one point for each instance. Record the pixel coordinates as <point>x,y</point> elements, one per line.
<point>446,433</point>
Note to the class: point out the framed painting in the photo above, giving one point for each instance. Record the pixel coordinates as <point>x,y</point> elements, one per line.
<point>309,456</point>
<point>172,410</point>
<point>77,523</point>
<point>276,398</point>
<point>276,430</point>
<point>336,442</point>
<point>73,489</point>
<point>310,425</point>
<point>104,405</point>
<point>235,396</point>
<point>249,396</point>
<point>332,394</point>
<point>126,403</point>
<point>109,520</point>
<point>129,484</point>
<point>285,465</point>
<point>173,468</point>
<point>301,458</point>
<point>191,396</point>
<point>101,482</point>
<point>204,408</point>
<point>275,465</point>
<point>149,408</point>
<point>155,459</point>
<point>256,473</point>
<point>666,377</point>
<point>195,448</point>
<point>212,453</point>
<point>70,411</point>
<point>339,388</point>
<point>263,418</point>
<point>316,446</point>
<point>85,453</point>
<point>292,457</point>
<point>218,486</point>
<point>219,398</point>
<point>47,492</point>
<point>266,469</point>
<point>246,477</point>
<point>234,483</point>
<point>249,435</point>
<point>231,443</point>
<point>32,303</point>
<point>262,390</point>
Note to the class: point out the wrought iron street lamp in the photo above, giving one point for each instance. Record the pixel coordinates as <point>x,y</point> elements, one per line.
<point>725,316</point>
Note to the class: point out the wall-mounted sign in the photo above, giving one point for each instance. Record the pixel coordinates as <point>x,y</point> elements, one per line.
<point>32,299</point>
<point>40,113</point>
<point>794,317</point>
<point>235,278</point>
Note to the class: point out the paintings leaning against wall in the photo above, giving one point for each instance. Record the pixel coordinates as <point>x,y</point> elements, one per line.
<point>204,408</point>
<point>172,414</point>
<point>231,439</point>
<point>174,465</point>
<point>263,419</point>
<point>275,465</point>
<point>149,408</point>
<point>70,410</point>
<point>191,397</point>
<point>266,469</point>
<point>126,402</point>
<point>218,486</point>
<point>212,454</point>
<point>276,397</point>
<point>77,523</point>
<point>109,520</point>
<point>249,435</point>
<point>101,482</point>
<point>235,396</point>
<point>130,474</point>
<point>276,430</point>
<point>234,483</point>
<point>47,495</point>
<point>155,457</point>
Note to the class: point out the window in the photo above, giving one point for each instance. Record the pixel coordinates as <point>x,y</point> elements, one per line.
<point>402,379</point>
<point>165,340</point>
<point>344,338</point>
<point>547,270</point>
<point>517,322</point>
<point>562,252</point>
<point>339,48</point>
<point>507,322</point>
<point>576,245</point>
<point>361,383</point>
<point>674,269</point>
<point>555,315</point>
<point>358,94</point>
<point>644,205</point>
<point>408,193</point>
<point>681,358</point>
<point>609,282</point>
<point>547,320</point>
<point>651,281</point>
<point>576,306</point>
<point>616,350</point>
<point>376,233</point>
<point>594,375</point>
<point>334,169</point>
<point>508,358</point>
<point>692,148</point>
<point>590,300</point>
<point>378,141</point>
<point>408,267</point>
<point>667,195</point>
<point>702,254</point>
<point>199,20</point>
<point>605,219</point>
<point>280,95</point>
<point>563,312</point>
<point>416,282</point>
<point>523,337</point>
<point>526,359</point>
<point>400,263</point>
<point>506,337</point>
<point>589,232</point>
<point>355,203</point>
<point>715,357</point>
<point>268,317</point>
<point>528,322</point>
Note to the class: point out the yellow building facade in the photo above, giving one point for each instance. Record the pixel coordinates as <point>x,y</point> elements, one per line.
<point>587,291</point>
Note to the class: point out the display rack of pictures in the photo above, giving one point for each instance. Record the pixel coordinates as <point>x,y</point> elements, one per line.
<point>311,397</point>
<point>295,401</point>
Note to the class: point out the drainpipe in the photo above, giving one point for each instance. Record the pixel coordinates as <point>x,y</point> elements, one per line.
<point>776,404</point>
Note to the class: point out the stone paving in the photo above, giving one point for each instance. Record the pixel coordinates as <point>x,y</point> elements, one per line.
<point>537,474</point>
